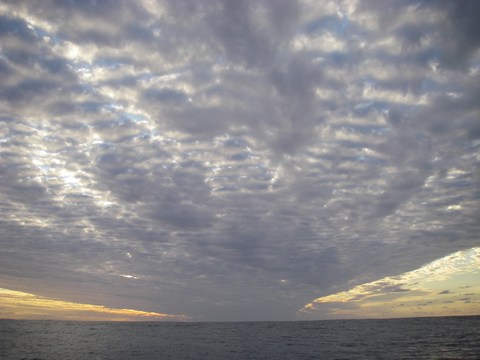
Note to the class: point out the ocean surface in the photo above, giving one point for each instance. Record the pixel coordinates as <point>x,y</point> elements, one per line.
<point>418,338</point>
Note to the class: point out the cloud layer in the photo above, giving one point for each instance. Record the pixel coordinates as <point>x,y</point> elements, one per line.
<point>447,286</point>
<point>233,159</point>
<point>16,304</point>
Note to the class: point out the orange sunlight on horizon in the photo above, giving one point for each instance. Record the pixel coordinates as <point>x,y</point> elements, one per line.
<point>20,305</point>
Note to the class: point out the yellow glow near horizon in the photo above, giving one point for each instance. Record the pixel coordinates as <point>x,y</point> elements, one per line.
<point>21,305</point>
<point>447,286</point>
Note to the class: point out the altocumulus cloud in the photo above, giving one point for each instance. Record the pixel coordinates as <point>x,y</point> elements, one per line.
<point>233,159</point>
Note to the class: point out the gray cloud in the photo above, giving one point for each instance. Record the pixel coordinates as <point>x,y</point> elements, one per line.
<point>251,32</point>
<point>237,159</point>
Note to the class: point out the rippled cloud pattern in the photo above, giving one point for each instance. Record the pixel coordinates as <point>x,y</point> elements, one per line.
<point>233,160</point>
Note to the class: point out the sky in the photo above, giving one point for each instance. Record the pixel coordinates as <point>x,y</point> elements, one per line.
<point>239,160</point>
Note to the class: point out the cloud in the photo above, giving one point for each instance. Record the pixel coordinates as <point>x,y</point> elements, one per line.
<point>253,32</point>
<point>444,292</point>
<point>248,156</point>
<point>386,295</point>
<point>16,304</point>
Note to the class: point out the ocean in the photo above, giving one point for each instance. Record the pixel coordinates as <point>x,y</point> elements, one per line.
<point>416,338</point>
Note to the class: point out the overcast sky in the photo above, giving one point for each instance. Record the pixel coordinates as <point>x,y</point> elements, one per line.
<point>234,160</point>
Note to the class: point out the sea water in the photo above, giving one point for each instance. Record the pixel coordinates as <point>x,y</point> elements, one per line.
<point>417,338</point>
